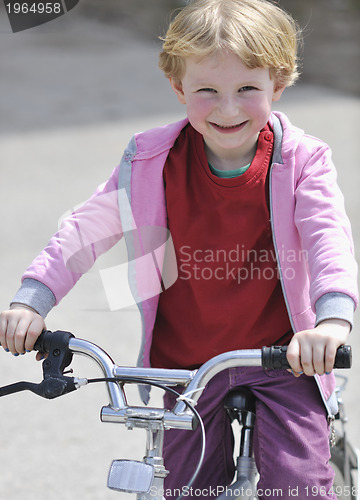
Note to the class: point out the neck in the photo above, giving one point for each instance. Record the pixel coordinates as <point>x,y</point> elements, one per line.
<point>229,163</point>
<point>232,160</point>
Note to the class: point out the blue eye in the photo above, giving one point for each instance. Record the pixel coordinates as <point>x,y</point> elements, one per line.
<point>246,88</point>
<point>207,90</point>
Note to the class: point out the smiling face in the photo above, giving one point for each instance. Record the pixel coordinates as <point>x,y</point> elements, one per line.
<point>228,103</point>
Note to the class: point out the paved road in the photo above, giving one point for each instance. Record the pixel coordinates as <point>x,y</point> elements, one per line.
<point>69,101</point>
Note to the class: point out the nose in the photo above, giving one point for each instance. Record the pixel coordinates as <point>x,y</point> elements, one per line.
<point>228,107</point>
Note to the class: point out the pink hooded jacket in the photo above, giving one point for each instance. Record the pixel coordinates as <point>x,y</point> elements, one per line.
<point>311,233</point>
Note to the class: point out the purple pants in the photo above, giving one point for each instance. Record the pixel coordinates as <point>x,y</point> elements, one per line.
<point>291,441</point>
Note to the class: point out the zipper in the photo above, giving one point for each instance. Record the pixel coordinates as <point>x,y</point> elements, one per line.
<point>330,415</point>
<point>276,250</point>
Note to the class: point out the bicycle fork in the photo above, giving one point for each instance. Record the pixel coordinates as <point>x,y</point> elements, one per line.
<point>153,457</point>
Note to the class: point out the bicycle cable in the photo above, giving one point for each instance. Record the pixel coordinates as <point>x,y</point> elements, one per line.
<point>139,380</point>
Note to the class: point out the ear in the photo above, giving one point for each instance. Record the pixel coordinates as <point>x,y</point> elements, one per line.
<point>278,90</point>
<point>176,85</point>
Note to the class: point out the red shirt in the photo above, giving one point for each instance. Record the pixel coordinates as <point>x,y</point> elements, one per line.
<point>227,295</point>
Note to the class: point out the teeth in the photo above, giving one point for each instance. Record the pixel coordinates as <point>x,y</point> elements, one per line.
<point>228,126</point>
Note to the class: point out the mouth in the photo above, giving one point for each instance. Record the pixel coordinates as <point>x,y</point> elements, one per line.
<point>228,129</point>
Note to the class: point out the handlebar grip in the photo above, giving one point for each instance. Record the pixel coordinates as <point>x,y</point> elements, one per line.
<point>343,358</point>
<point>274,357</point>
<point>48,340</point>
<point>44,341</point>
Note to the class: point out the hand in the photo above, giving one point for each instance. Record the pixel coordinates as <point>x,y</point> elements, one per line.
<point>313,351</point>
<point>19,329</point>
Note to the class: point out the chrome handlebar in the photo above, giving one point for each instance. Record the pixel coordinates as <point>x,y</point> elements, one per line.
<point>61,346</point>
<point>194,381</point>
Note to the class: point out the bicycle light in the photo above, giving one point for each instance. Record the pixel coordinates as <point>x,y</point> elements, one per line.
<point>130,476</point>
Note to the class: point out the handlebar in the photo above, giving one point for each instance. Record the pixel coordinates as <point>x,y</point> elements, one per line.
<point>61,346</point>
<point>274,358</point>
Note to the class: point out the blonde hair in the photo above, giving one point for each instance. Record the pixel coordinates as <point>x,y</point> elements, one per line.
<point>259,32</point>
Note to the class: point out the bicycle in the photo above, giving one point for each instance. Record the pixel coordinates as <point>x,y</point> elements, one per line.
<point>146,478</point>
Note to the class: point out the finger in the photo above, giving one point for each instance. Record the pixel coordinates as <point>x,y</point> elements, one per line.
<point>319,359</point>
<point>20,335</point>
<point>296,374</point>
<point>3,328</point>
<point>34,330</point>
<point>41,355</point>
<point>306,358</point>
<point>293,357</point>
<point>330,354</point>
<point>10,333</point>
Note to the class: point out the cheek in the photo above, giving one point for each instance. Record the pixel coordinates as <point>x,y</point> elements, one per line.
<point>199,108</point>
<point>258,108</point>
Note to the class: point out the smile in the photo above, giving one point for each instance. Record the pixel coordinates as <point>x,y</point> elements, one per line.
<point>228,128</point>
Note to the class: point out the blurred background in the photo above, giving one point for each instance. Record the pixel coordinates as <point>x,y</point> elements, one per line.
<point>54,79</point>
<point>331,32</point>
<point>72,92</point>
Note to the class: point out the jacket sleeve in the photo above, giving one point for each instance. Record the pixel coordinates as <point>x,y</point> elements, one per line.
<point>335,306</point>
<point>325,233</point>
<point>83,236</point>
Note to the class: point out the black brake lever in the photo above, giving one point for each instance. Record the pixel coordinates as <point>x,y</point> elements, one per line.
<point>54,383</point>
<point>49,388</point>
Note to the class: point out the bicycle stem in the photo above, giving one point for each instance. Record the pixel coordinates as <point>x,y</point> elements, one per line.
<point>232,359</point>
